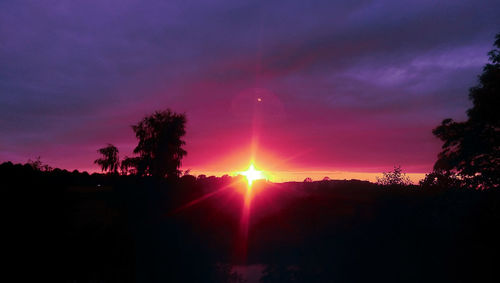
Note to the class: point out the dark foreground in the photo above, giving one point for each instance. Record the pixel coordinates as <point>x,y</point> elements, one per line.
<point>75,227</point>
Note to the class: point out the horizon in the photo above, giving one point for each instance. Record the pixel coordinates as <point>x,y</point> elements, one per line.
<point>282,176</point>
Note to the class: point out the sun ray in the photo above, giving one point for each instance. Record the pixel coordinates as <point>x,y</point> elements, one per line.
<point>200,199</point>
<point>252,174</point>
<point>245,222</point>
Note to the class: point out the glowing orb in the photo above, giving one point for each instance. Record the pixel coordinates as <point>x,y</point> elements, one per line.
<point>259,99</point>
<point>251,174</point>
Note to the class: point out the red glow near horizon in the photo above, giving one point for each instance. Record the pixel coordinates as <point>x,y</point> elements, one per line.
<point>245,221</point>
<point>251,174</point>
<point>247,195</point>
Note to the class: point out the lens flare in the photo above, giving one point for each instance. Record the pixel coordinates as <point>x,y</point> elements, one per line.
<point>252,174</point>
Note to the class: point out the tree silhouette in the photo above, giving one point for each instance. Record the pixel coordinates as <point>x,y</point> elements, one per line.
<point>129,165</point>
<point>439,179</point>
<point>394,178</point>
<point>38,165</point>
<point>471,149</point>
<point>160,144</point>
<point>109,161</point>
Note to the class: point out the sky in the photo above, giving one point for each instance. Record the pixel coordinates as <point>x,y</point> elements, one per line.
<point>346,88</point>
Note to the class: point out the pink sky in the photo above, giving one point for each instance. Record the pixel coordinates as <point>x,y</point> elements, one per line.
<point>344,87</point>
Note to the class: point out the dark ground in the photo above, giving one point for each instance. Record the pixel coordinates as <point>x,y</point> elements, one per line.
<point>74,227</point>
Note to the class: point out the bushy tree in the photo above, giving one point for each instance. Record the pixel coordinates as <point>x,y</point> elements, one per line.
<point>160,144</point>
<point>471,149</point>
<point>109,162</point>
<point>443,180</point>
<point>394,178</point>
<point>129,165</point>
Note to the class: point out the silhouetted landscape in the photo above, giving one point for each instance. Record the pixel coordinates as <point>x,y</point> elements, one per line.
<point>333,89</point>
<point>108,228</point>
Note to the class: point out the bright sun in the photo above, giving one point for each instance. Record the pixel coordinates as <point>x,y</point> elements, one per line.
<point>251,174</point>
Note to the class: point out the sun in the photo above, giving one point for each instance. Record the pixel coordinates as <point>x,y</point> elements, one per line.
<point>252,174</point>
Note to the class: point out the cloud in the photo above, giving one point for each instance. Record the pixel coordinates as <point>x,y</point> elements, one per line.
<point>76,74</point>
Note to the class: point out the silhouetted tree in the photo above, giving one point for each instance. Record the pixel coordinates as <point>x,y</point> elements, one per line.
<point>308,180</point>
<point>395,177</point>
<point>439,179</point>
<point>129,165</point>
<point>160,144</point>
<point>472,148</point>
<point>39,165</point>
<point>109,161</point>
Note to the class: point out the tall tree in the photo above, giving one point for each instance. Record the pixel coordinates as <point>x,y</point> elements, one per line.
<point>471,149</point>
<point>160,143</point>
<point>109,161</point>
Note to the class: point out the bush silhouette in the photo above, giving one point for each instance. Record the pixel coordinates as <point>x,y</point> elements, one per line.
<point>394,178</point>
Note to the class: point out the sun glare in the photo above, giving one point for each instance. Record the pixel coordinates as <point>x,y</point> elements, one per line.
<point>252,174</point>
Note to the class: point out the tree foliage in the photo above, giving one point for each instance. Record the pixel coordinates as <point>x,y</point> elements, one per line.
<point>129,165</point>
<point>109,162</point>
<point>471,148</point>
<point>160,144</point>
<point>394,178</point>
<point>441,180</point>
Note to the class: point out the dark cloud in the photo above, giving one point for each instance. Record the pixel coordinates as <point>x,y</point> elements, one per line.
<point>75,74</point>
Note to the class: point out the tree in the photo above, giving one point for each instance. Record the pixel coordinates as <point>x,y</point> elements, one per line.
<point>442,180</point>
<point>394,178</point>
<point>39,165</point>
<point>471,149</point>
<point>109,161</point>
<point>160,144</point>
<point>129,165</point>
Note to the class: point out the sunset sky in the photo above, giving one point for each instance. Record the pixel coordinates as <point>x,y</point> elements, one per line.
<point>319,88</point>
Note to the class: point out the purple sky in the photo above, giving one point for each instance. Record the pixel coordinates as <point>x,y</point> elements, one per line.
<point>347,86</point>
